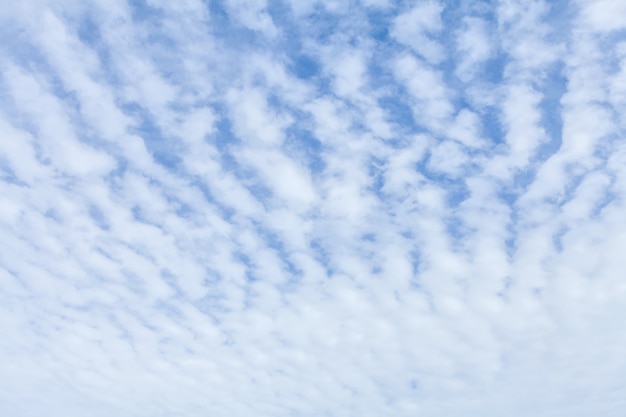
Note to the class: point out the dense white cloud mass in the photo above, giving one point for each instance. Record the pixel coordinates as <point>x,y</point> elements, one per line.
<point>312,208</point>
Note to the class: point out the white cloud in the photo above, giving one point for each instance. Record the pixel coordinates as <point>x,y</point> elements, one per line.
<point>525,37</point>
<point>350,73</point>
<point>466,129</point>
<point>289,181</point>
<point>475,45</point>
<point>18,152</point>
<point>448,158</point>
<point>253,121</point>
<point>417,29</point>
<point>252,14</point>
<point>603,15</point>
<point>523,121</point>
<point>431,105</point>
<point>58,142</point>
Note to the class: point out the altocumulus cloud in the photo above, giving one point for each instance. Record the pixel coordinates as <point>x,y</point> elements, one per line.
<point>312,208</point>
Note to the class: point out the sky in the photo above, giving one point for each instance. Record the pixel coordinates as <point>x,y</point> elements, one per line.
<point>312,208</point>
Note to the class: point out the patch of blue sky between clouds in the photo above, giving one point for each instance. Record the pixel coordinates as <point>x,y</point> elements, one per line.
<point>285,208</point>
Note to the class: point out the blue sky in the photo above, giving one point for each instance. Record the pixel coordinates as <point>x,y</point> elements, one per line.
<point>312,208</point>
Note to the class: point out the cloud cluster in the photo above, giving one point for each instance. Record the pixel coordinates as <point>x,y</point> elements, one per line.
<point>259,208</point>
